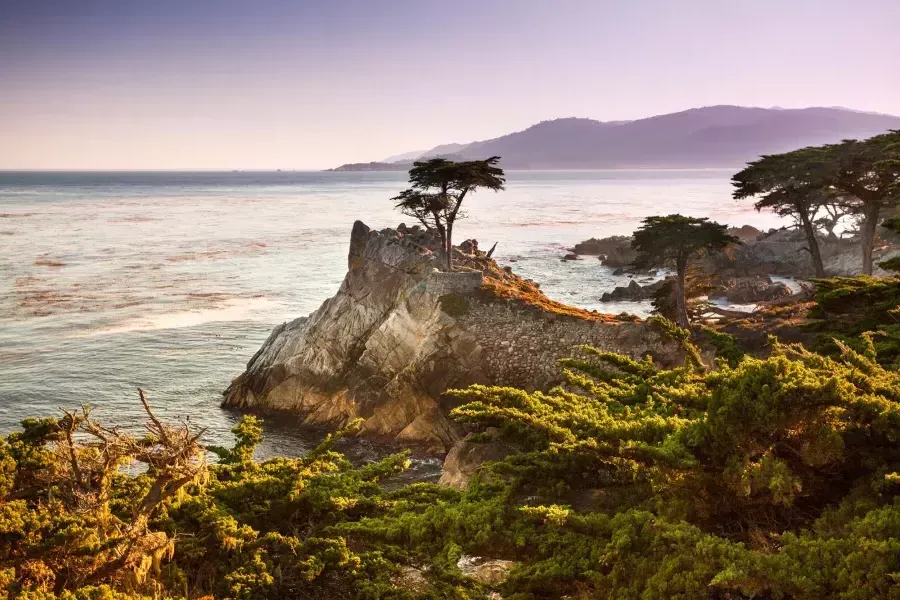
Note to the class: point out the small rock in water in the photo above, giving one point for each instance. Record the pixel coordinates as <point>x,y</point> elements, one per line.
<point>571,257</point>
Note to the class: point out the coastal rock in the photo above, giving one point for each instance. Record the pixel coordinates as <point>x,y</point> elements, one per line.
<point>465,458</point>
<point>399,332</point>
<point>614,251</point>
<point>745,233</point>
<point>778,252</point>
<point>750,290</point>
<point>633,292</point>
<point>571,256</point>
<point>484,570</point>
<point>598,247</point>
<point>849,264</point>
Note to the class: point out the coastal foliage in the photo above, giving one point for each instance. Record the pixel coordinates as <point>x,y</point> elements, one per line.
<point>675,240</point>
<point>73,525</point>
<point>766,478</point>
<point>860,312</point>
<point>438,188</point>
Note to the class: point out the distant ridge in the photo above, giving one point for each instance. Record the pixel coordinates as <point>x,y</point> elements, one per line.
<point>712,136</point>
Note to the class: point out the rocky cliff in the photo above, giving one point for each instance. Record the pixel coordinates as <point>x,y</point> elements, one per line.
<point>399,332</point>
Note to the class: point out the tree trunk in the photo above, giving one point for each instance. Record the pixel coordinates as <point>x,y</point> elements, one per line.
<point>443,233</point>
<point>813,244</point>
<point>680,300</point>
<point>867,233</point>
<point>449,246</point>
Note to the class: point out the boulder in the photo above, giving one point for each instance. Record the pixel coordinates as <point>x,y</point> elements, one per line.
<point>486,571</point>
<point>750,290</point>
<point>613,251</point>
<point>633,292</point>
<point>399,332</point>
<point>467,456</point>
<point>598,247</point>
<point>746,233</point>
<point>777,252</point>
<point>571,257</point>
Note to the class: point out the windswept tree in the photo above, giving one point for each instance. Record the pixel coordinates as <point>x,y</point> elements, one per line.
<point>867,175</point>
<point>794,184</point>
<point>675,240</point>
<point>438,188</point>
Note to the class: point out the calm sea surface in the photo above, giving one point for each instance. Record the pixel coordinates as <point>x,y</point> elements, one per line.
<point>171,281</point>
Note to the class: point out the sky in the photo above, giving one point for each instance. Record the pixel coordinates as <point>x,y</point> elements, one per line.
<point>301,84</point>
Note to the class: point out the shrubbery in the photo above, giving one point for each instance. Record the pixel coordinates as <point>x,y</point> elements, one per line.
<point>765,478</point>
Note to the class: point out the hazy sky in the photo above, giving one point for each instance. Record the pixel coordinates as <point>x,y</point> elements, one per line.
<point>269,84</point>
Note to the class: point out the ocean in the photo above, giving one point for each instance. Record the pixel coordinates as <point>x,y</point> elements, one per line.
<point>171,280</point>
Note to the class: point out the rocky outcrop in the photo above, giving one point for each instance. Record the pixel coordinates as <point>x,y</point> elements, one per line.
<point>750,290</point>
<point>614,251</point>
<point>633,292</point>
<point>399,332</point>
<point>467,456</point>
<point>745,233</point>
<point>778,252</point>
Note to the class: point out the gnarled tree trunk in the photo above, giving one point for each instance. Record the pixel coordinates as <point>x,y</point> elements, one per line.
<point>680,300</point>
<point>813,244</point>
<point>867,235</point>
<point>448,246</point>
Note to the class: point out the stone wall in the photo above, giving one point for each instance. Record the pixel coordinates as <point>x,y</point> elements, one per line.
<point>457,282</point>
<point>521,346</point>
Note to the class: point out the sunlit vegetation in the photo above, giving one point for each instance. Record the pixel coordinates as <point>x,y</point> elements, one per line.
<point>766,478</point>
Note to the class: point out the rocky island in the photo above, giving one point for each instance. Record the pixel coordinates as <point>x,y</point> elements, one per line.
<point>399,332</point>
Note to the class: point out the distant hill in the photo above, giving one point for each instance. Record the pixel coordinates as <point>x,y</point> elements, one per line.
<point>713,136</point>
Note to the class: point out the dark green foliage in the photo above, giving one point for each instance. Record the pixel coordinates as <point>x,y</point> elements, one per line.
<point>438,188</point>
<point>848,307</point>
<point>674,241</point>
<point>726,346</point>
<point>770,479</point>
<point>766,478</point>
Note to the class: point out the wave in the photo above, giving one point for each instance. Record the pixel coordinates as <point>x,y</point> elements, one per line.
<point>239,309</point>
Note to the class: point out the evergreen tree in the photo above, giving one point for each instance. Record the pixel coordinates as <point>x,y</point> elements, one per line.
<point>438,189</point>
<point>867,174</point>
<point>675,240</point>
<point>793,184</point>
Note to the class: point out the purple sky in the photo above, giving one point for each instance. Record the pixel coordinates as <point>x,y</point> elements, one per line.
<point>266,84</point>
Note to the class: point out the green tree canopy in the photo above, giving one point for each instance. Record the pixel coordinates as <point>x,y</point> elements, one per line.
<point>437,189</point>
<point>673,241</point>
<point>793,184</point>
<point>867,174</point>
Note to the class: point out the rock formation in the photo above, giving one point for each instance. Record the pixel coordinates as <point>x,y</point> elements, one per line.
<point>615,251</point>
<point>750,290</point>
<point>467,455</point>
<point>633,292</point>
<point>399,332</point>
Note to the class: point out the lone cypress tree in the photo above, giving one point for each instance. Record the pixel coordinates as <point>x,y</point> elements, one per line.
<point>673,241</point>
<point>438,188</point>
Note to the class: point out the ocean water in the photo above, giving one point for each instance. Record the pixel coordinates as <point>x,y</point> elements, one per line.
<point>171,281</point>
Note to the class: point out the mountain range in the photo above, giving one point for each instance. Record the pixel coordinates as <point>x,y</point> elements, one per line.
<point>712,136</point>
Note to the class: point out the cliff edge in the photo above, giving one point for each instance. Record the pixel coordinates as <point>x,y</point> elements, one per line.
<point>399,332</point>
